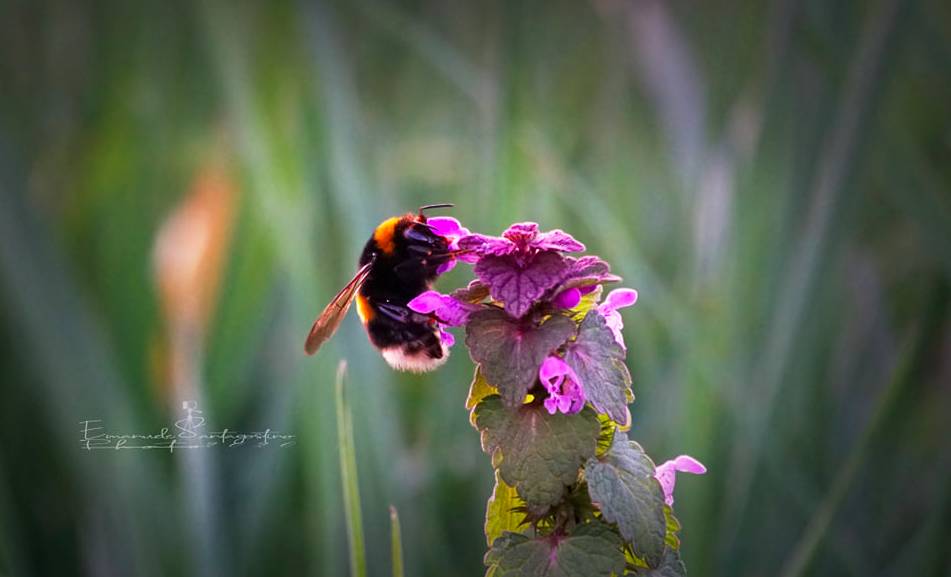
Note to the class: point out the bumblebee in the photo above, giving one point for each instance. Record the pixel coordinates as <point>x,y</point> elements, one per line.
<point>398,262</point>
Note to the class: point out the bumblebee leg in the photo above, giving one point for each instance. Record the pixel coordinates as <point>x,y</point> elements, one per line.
<point>400,313</point>
<point>427,238</point>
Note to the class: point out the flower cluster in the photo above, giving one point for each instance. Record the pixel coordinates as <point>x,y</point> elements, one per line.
<point>526,270</point>
<point>548,349</point>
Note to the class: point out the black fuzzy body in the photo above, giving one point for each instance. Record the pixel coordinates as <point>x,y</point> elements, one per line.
<point>396,277</point>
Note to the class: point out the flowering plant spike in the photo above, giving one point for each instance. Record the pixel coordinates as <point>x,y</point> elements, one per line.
<point>573,494</point>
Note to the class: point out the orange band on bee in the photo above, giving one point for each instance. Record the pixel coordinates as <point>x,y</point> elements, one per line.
<point>383,235</point>
<point>364,309</point>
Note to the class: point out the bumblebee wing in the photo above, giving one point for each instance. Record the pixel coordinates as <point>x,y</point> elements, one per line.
<point>329,320</point>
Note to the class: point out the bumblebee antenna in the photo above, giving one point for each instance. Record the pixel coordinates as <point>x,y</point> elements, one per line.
<point>440,205</point>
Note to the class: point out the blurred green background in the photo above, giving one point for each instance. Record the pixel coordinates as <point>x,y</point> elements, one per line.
<point>183,185</point>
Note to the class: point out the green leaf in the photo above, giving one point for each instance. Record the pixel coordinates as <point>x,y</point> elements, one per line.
<point>673,527</point>
<point>504,512</point>
<point>671,566</point>
<point>510,352</point>
<point>599,362</point>
<point>537,453</point>
<point>622,484</point>
<point>590,550</point>
<point>479,389</point>
<point>606,434</point>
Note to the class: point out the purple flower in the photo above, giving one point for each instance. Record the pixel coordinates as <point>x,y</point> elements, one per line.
<point>667,474</point>
<point>617,299</point>
<point>521,238</point>
<point>447,310</point>
<point>521,266</point>
<point>565,392</point>
<point>569,298</point>
<point>446,337</point>
<point>450,229</point>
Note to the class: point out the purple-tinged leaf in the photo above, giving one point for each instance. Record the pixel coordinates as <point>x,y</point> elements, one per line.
<point>519,282</point>
<point>521,234</point>
<point>510,352</point>
<point>586,271</point>
<point>557,240</point>
<point>590,550</point>
<point>621,483</point>
<point>521,238</point>
<point>599,362</point>
<point>475,292</point>
<point>537,453</point>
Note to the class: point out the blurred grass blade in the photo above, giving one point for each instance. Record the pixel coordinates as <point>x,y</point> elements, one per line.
<point>868,70</point>
<point>438,51</point>
<point>77,377</point>
<point>396,542</point>
<point>797,564</point>
<point>348,474</point>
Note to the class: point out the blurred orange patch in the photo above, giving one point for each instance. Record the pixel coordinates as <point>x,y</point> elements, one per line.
<point>191,247</point>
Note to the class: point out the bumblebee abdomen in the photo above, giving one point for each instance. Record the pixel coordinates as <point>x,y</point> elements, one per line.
<point>364,309</point>
<point>407,345</point>
<point>414,336</point>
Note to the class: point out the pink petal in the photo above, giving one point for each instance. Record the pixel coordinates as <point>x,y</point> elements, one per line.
<point>577,404</point>
<point>577,396</point>
<point>618,298</point>
<point>666,473</point>
<point>448,310</point>
<point>446,266</point>
<point>565,393</point>
<point>426,302</point>
<point>687,464</point>
<point>614,322</point>
<point>447,338</point>
<point>481,244</point>
<point>445,225</point>
<point>552,372</point>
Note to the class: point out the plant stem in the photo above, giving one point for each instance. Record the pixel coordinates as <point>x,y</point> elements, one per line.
<point>348,475</point>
